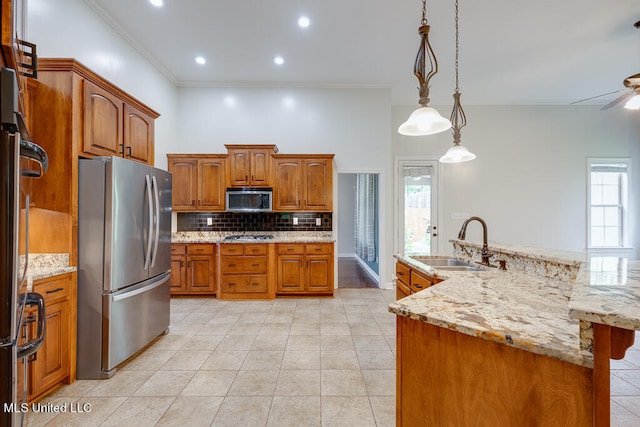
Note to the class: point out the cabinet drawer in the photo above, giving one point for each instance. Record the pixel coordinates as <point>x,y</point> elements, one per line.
<point>54,289</point>
<point>255,249</point>
<point>231,249</point>
<point>200,249</point>
<point>239,265</point>
<point>419,282</point>
<point>178,249</point>
<point>290,249</point>
<point>242,283</point>
<point>402,272</point>
<point>319,249</point>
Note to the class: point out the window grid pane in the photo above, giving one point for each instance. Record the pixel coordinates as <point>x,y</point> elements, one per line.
<point>607,199</point>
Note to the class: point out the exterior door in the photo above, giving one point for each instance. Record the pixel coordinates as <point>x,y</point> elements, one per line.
<point>418,220</point>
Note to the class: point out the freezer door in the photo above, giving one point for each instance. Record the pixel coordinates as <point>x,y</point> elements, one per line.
<point>128,223</point>
<point>161,250</point>
<point>132,318</point>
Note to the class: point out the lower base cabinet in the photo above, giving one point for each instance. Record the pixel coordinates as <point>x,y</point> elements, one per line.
<point>246,271</point>
<point>410,281</point>
<point>304,269</point>
<point>193,269</point>
<point>52,364</point>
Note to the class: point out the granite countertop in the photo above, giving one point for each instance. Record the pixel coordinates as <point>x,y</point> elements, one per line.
<point>511,307</point>
<point>278,237</point>
<point>43,266</point>
<point>608,292</point>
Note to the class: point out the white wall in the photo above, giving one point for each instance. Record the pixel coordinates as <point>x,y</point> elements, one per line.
<point>529,180</point>
<point>71,29</point>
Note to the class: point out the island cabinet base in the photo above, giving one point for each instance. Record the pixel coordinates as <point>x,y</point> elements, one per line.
<point>446,378</point>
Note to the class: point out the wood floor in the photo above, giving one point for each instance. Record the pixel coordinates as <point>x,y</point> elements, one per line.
<point>352,275</point>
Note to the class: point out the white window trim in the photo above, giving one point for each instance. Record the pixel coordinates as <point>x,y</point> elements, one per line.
<point>625,217</point>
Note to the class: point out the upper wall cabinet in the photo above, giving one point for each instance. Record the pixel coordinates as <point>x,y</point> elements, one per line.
<point>113,127</point>
<point>303,182</point>
<point>198,181</point>
<point>74,113</point>
<point>250,165</point>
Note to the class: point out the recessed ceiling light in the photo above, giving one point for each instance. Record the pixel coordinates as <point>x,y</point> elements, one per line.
<point>303,22</point>
<point>200,60</point>
<point>157,3</point>
<point>278,60</point>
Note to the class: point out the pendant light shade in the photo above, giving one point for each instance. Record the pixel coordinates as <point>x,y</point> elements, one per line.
<point>424,121</point>
<point>633,103</point>
<point>457,154</point>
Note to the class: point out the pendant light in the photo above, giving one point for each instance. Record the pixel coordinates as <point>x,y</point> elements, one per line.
<point>457,153</point>
<point>424,120</point>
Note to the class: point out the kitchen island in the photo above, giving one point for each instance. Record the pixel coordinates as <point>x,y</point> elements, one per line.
<point>496,347</point>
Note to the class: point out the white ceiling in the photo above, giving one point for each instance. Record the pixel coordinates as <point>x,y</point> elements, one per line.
<point>511,52</point>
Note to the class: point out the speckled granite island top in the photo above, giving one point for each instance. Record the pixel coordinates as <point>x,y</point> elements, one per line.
<point>278,237</point>
<point>509,307</point>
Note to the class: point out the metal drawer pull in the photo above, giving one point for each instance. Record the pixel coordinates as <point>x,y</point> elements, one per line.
<point>55,290</point>
<point>255,284</point>
<point>255,265</point>
<point>400,273</point>
<point>232,284</point>
<point>290,249</point>
<point>232,265</point>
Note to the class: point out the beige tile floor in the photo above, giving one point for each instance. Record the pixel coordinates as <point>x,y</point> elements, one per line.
<point>288,362</point>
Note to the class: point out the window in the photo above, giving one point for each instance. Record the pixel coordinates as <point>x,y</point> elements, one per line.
<point>608,200</point>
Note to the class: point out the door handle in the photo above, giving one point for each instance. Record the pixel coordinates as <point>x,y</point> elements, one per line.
<point>149,238</point>
<point>157,220</point>
<point>28,348</point>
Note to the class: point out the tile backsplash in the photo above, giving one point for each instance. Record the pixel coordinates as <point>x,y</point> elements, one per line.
<point>262,221</point>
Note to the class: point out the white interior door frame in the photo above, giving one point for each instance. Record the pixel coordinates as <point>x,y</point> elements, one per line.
<point>399,164</point>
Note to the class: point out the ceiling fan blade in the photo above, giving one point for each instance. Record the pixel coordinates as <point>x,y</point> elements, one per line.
<point>618,100</point>
<point>597,96</point>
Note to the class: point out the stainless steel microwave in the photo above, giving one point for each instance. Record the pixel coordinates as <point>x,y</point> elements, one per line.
<point>249,199</point>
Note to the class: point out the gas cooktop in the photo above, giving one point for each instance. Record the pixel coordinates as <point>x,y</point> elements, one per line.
<point>249,237</point>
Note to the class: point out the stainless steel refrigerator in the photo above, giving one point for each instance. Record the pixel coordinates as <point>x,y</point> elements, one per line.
<point>14,296</point>
<point>124,257</point>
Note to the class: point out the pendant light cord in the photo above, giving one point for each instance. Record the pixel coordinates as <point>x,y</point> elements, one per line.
<point>424,13</point>
<point>457,49</point>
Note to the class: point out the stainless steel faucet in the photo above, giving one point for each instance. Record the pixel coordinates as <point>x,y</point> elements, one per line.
<point>485,249</point>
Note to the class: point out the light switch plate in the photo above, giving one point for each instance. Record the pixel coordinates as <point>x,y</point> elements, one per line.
<point>209,221</point>
<point>295,221</point>
<point>318,221</point>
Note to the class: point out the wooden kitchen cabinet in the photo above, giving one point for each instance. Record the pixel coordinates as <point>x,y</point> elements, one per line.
<point>246,271</point>
<point>113,127</point>
<point>303,183</point>
<point>52,364</point>
<point>76,113</point>
<point>199,181</point>
<point>410,281</point>
<point>250,165</point>
<point>305,269</point>
<point>193,269</point>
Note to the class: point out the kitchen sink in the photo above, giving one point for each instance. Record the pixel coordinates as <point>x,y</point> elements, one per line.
<point>448,263</point>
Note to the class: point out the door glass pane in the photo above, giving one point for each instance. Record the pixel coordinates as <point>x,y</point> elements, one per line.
<point>417,209</point>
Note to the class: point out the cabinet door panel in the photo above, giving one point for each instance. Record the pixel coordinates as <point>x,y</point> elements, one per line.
<point>178,273</point>
<point>102,122</point>
<point>211,184</point>
<point>318,185</point>
<point>239,168</point>
<point>183,191</point>
<point>290,273</point>
<point>288,192</point>
<point>138,135</point>
<point>319,273</point>
<point>200,273</point>
<point>260,168</point>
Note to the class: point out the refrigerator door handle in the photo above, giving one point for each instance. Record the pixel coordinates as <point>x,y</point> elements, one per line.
<point>30,347</point>
<point>139,291</point>
<point>157,218</point>
<point>149,238</point>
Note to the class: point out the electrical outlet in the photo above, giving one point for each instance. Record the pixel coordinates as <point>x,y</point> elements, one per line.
<point>318,221</point>
<point>209,221</point>
<point>295,221</point>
